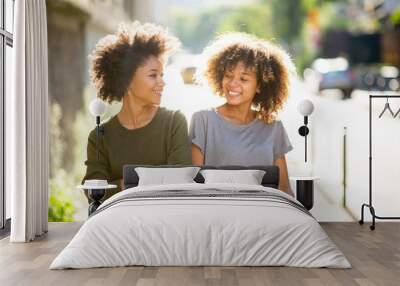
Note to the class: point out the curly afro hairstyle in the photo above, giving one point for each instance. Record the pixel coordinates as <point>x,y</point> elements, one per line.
<point>116,57</point>
<point>270,62</point>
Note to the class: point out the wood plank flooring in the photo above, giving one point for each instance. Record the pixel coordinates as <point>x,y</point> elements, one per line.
<point>374,255</point>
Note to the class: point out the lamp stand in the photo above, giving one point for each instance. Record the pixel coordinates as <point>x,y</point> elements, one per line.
<point>303,131</point>
<point>99,132</point>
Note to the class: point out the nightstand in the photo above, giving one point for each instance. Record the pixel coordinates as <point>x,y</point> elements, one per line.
<point>305,190</point>
<point>95,193</point>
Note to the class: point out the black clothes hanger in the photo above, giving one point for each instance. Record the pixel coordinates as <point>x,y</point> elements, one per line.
<point>397,113</point>
<point>387,107</point>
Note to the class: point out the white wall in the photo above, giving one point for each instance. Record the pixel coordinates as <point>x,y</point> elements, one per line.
<point>326,154</point>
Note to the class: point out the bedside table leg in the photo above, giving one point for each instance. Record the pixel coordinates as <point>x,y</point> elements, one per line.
<point>93,207</point>
<point>305,193</point>
<point>95,195</point>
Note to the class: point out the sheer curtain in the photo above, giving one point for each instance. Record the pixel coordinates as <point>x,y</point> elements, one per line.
<point>27,146</point>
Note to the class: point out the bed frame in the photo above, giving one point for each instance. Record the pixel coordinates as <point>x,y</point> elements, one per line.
<point>270,179</point>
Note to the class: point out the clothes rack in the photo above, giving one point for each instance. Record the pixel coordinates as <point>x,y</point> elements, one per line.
<point>370,205</point>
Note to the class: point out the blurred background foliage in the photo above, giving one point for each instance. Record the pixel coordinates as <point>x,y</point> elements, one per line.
<point>64,198</point>
<point>395,18</point>
<point>265,20</point>
<point>61,206</point>
<point>285,22</point>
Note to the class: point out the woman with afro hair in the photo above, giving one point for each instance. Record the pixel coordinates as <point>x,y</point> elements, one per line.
<point>128,67</point>
<point>253,77</point>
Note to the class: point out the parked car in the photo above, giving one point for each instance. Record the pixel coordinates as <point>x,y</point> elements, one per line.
<point>343,80</point>
<point>332,74</point>
<point>187,64</point>
<point>379,78</point>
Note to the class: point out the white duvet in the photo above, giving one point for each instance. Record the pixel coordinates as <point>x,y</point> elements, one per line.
<point>183,231</point>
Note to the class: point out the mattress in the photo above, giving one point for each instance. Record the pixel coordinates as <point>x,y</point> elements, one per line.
<point>201,225</point>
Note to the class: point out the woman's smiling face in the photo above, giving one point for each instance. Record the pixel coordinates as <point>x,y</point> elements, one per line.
<point>239,85</point>
<point>147,83</point>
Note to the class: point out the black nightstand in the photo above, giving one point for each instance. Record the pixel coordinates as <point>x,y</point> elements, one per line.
<point>305,190</point>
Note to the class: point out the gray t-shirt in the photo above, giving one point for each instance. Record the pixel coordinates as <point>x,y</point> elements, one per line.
<point>225,143</point>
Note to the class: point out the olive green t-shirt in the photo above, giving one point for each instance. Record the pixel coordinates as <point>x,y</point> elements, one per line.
<point>163,141</point>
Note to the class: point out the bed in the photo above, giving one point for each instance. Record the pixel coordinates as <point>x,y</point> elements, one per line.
<point>201,224</point>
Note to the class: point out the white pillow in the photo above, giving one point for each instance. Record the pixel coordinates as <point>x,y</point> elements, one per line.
<point>248,177</point>
<point>163,176</point>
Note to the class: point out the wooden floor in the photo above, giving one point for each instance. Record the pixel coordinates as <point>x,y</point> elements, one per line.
<point>374,255</point>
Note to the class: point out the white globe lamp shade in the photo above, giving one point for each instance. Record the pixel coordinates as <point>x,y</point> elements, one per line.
<point>305,107</point>
<point>97,107</point>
